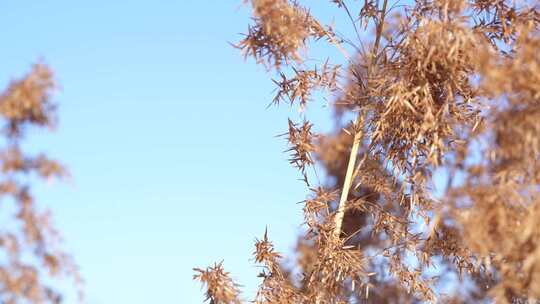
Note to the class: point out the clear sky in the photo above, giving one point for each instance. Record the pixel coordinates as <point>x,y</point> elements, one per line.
<point>165,130</point>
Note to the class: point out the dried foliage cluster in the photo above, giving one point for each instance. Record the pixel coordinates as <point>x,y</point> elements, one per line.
<point>30,251</point>
<point>433,189</point>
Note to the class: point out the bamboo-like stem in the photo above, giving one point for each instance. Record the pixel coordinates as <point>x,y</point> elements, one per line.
<point>340,213</point>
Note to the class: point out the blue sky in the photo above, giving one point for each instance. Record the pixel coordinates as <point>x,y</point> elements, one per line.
<point>165,130</point>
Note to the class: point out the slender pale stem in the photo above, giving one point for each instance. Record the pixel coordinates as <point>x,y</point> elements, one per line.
<point>340,213</point>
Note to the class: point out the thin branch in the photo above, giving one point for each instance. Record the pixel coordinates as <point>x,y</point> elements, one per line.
<point>337,45</point>
<point>353,23</point>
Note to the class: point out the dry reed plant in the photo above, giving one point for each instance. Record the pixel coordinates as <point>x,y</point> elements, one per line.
<point>29,244</point>
<point>435,183</point>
